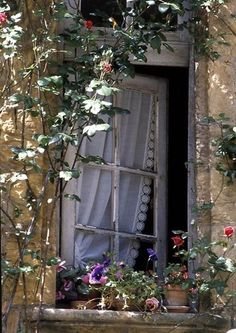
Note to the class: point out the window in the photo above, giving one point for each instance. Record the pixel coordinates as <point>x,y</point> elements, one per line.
<point>127,204</point>
<point>123,202</point>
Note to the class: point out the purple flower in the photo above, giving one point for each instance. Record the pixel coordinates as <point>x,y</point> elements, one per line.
<point>97,273</point>
<point>152,254</point>
<point>106,261</point>
<point>119,275</point>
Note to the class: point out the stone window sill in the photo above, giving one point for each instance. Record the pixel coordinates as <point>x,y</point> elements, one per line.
<point>98,321</point>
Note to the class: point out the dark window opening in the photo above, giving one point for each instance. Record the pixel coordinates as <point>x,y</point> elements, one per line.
<point>177,153</point>
<point>99,11</point>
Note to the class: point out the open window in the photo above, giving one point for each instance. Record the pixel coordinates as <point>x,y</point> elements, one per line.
<point>141,194</point>
<point>123,202</point>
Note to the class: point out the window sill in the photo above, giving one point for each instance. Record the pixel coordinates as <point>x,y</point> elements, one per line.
<point>84,321</point>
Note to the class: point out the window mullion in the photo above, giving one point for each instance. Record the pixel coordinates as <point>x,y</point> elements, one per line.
<point>115,183</point>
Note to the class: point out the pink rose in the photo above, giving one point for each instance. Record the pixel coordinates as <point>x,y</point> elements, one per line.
<point>3,18</point>
<point>107,67</point>
<point>152,304</point>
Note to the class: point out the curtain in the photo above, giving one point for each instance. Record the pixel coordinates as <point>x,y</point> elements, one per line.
<point>95,185</point>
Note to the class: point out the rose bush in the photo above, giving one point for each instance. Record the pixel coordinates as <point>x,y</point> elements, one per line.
<point>213,266</point>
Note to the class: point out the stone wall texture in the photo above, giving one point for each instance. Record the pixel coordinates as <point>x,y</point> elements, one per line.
<point>16,130</point>
<point>216,94</point>
<point>84,321</point>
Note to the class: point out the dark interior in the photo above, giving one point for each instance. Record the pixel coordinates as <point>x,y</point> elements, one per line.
<point>177,152</point>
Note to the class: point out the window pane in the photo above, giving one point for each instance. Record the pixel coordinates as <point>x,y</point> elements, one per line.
<point>99,11</point>
<point>137,130</point>
<point>129,250</point>
<point>94,189</point>
<point>101,144</point>
<point>90,247</point>
<point>135,204</point>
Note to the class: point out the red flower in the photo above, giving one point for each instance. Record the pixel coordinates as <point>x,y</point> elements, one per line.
<point>107,67</point>
<point>88,24</point>
<point>178,241</point>
<point>3,18</point>
<point>228,231</point>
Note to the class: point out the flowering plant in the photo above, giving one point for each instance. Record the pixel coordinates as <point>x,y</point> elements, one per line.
<point>119,286</point>
<point>212,262</point>
<point>177,275</point>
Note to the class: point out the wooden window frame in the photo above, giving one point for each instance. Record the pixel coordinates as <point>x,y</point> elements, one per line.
<point>159,176</point>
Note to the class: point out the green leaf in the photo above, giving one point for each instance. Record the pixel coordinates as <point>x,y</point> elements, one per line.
<point>72,197</point>
<point>150,2</point>
<point>43,82</point>
<point>93,159</point>
<point>18,176</point>
<point>155,43</point>
<point>67,175</point>
<point>16,18</point>
<point>92,129</point>
<point>105,91</point>
<point>163,7</point>
<point>15,98</point>
<point>178,232</point>
<point>93,105</point>
<point>26,269</point>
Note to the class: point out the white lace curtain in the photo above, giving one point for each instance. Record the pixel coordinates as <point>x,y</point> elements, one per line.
<point>95,186</point>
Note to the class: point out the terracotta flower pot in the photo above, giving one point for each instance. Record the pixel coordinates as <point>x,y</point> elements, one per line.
<point>175,296</point>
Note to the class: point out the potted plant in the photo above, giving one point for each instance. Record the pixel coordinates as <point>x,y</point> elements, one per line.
<point>123,288</point>
<point>177,285</point>
<point>109,284</point>
<point>213,268</point>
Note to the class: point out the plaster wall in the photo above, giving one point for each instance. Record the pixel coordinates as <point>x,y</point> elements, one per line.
<point>16,130</point>
<point>216,94</point>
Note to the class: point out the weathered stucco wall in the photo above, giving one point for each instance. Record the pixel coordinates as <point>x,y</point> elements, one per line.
<point>222,99</point>
<point>16,130</point>
<point>216,94</point>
